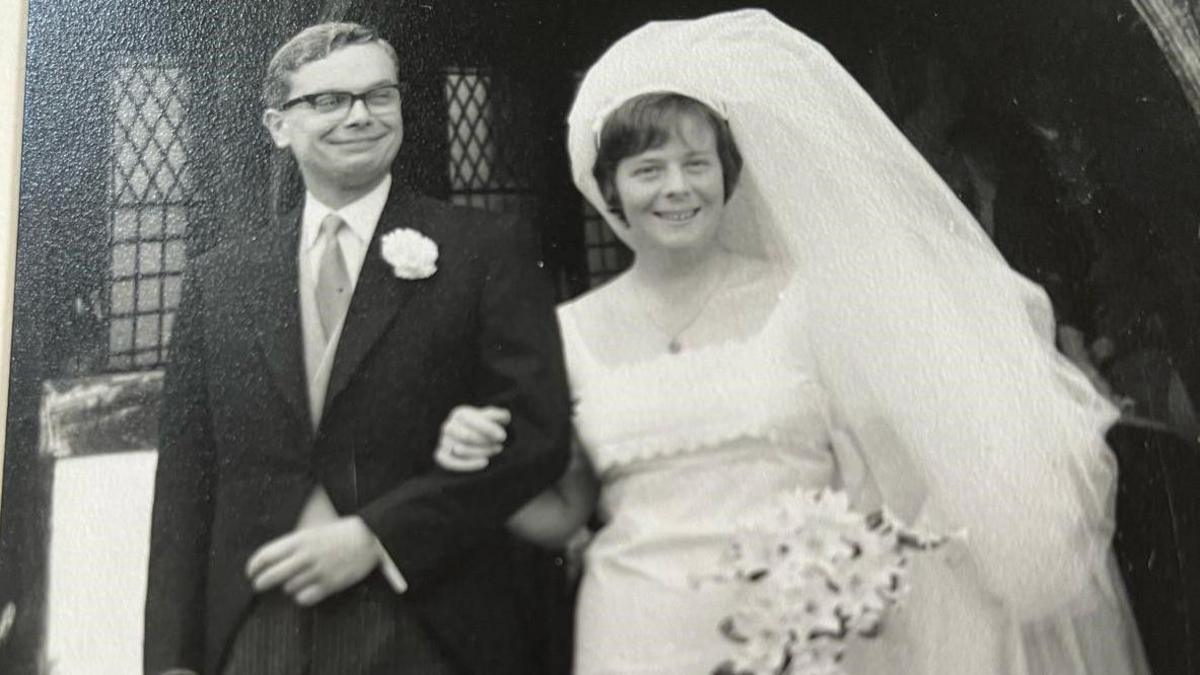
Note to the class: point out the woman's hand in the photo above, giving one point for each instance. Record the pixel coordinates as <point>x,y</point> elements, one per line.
<point>470,437</point>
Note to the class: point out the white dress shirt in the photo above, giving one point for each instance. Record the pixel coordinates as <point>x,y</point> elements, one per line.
<point>361,217</point>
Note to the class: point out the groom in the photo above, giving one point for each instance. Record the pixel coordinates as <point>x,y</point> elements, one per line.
<point>300,524</point>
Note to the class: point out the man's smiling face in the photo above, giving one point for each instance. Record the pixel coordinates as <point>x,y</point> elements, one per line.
<point>345,150</point>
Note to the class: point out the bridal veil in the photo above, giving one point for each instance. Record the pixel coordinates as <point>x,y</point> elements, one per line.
<point>939,357</point>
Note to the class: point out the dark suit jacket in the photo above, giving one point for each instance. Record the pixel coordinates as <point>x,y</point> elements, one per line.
<point>238,456</point>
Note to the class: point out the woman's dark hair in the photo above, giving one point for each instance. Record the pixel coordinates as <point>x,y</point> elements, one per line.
<point>648,121</point>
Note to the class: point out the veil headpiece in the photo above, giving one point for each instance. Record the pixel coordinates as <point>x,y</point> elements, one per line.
<point>939,359</point>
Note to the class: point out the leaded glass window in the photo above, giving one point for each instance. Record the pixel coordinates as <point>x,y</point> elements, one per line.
<point>607,256</point>
<point>485,170</point>
<point>150,193</point>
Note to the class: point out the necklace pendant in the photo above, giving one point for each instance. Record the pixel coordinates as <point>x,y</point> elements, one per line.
<point>674,346</point>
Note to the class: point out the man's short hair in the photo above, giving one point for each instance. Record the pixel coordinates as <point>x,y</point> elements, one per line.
<point>313,44</point>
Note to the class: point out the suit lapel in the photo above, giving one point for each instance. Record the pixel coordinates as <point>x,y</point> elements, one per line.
<point>277,312</point>
<point>378,296</point>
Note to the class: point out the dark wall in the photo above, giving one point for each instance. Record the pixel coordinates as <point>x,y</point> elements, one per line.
<point>62,260</point>
<point>61,246</point>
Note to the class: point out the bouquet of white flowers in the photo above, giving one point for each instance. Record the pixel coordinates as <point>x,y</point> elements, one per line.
<point>814,572</point>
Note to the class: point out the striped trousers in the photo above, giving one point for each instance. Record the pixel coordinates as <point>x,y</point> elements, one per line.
<point>360,632</point>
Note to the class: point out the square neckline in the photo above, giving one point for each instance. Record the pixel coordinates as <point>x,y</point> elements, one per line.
<point>787,293</point>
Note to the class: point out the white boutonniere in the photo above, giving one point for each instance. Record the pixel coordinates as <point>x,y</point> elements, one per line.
<point>411,254</point>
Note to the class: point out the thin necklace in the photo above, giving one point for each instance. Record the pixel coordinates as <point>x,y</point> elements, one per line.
<point>674,344</point>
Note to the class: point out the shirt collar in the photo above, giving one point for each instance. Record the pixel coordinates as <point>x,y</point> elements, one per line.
<point>362,215</point>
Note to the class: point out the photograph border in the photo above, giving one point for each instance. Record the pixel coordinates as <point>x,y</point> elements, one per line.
<point>14,46</point>
<point>13,21</point>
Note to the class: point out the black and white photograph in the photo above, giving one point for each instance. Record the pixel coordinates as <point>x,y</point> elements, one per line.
<point>691,337</point>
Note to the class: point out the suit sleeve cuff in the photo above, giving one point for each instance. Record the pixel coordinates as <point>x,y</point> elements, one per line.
<point>389,569</point>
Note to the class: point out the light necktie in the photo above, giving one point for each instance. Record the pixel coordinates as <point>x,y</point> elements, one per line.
<point>333,281</point>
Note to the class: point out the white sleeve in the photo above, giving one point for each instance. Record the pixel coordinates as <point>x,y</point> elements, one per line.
<point>389,569</point>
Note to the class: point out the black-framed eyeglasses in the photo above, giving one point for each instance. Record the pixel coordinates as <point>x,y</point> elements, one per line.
<point>384,99</point>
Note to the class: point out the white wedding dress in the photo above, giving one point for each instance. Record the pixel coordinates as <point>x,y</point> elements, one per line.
<point>912,336</point>
<point>687,444</point>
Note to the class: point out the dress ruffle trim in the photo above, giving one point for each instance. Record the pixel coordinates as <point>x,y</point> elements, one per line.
<point>623,454</point>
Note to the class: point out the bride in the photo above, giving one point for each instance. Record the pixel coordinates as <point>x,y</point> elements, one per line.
<point>809,305</point>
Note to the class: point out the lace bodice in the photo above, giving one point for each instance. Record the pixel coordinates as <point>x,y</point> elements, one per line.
<point>763,387</point>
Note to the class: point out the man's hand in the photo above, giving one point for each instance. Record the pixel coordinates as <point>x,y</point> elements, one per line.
<point>313,563</point>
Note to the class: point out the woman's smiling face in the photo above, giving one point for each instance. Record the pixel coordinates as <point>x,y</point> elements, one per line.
<point>673,196</point>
